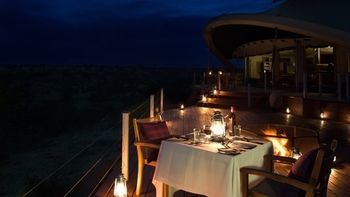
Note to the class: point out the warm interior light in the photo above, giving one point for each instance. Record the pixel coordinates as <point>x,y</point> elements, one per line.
<point>322,115</point>
<point>287,110</point>
<point>120,189</point>
<point>215,92</point>
<point>204,98</point>
<point>279,144</point>
<point>220,72</point>
<point>182,106</point>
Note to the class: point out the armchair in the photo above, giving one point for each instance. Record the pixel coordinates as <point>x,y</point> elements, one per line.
<point>148,135</point>
<point>308,176</point>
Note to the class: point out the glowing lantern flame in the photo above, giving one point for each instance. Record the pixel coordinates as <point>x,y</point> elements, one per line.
<point>279,144</point>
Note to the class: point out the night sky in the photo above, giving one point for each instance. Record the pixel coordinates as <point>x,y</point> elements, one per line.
<point>111,32</point>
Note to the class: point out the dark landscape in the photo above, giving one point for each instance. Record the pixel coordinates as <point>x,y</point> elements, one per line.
<point>49,113</point>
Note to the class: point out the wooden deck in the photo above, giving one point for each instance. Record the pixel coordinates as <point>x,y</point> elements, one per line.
<point>180,122</point>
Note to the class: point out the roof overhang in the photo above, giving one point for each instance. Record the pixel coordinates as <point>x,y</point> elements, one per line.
<point>226,34</point>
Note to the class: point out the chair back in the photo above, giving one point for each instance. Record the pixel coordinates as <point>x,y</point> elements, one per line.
<point>326,167</point>
<point>314,168</point>
<point>149,129</point>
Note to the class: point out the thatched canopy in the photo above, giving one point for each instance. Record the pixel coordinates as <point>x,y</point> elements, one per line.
<point>318,22</point>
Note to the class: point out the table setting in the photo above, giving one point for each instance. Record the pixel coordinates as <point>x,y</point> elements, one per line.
<point>210,157</point>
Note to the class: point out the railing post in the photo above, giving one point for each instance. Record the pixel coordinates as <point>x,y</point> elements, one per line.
<point>320,83</point>
<point>204,78</point>
<point>347,86</point>
<point>161,100</point>
<point>249,95</point>
<point>265,80</point>
<point>339,86</point>
<point>125,145</point>
<point>219,82</point>
<point>151,106</point>
<point>304,84</point>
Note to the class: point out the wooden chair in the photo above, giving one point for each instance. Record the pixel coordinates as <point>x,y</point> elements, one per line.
<point>147,149</point>
<point>277,185</point>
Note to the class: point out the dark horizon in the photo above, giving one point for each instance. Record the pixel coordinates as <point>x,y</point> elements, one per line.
<point>150,33</point>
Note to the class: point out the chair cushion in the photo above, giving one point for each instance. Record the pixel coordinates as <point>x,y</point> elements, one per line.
<point>302,168</point>
<point>153,130</point>
<point>273,188</point>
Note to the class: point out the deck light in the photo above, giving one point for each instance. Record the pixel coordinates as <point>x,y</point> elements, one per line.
<point>204,98</point>
<point>120,189</point>
<point>287,110</point>
<point>182,106</point>
<point>322,115</point>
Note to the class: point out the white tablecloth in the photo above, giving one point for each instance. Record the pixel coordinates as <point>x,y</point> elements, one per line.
<point>201,170</point>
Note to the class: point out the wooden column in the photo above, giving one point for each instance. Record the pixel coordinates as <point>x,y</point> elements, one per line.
<point>299,66</point>
<point>151,106</point>
<point>219,82</point>
<point>341,66</point>
<point>341,59</point>
<point>246,70</point>
<point>339,86</point>
<point>249,95</point>
<point>125,144</point>
<point>161,100</point>
<point>304,85</point>
<point>320,83</point>
<point>275,66</point>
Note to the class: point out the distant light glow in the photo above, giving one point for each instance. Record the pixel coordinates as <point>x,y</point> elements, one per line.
<point>287,110</point>
<point>322,115</point>
<point>335,159</point>
<point>215,92</point>
<point>210,72</point>
<point>220,72</point>
<point>182,106</point>
<point>204,98</point>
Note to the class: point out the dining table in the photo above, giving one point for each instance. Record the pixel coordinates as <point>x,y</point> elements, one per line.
<point>202,168</point>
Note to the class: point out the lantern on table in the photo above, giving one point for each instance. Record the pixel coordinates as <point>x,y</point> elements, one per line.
<point>218,126</point>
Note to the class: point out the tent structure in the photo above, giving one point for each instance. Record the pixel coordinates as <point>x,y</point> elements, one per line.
<point>294,24</point>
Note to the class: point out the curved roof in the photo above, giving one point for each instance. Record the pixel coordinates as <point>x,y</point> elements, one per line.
<point>323,21</point>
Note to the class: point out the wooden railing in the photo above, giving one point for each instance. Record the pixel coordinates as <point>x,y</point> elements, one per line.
<point>108,158</point>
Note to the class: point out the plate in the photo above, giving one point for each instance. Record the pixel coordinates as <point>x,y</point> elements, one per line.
<point>229,151</point>
<point>245,145</point>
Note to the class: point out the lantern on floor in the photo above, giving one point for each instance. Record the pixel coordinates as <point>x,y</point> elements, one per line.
<point>217,126</point>
<point>120,189</point>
